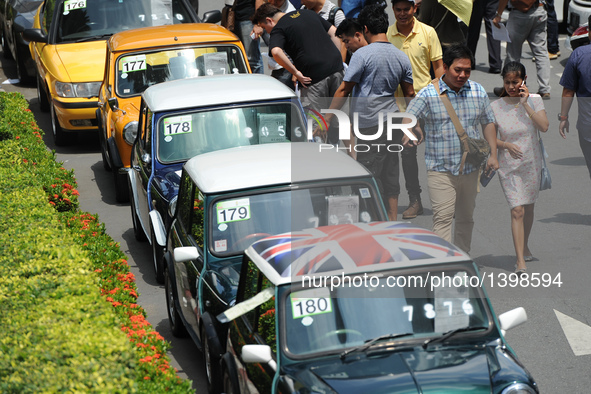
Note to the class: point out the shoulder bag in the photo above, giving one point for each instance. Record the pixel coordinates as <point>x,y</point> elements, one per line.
<point>546,180</point>
<point>474,150</point>
<point>229,16</point>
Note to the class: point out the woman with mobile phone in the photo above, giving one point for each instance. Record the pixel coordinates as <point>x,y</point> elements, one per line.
<point>519,116</point>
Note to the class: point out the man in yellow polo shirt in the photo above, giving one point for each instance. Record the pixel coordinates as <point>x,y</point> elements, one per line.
<point>421,44</point>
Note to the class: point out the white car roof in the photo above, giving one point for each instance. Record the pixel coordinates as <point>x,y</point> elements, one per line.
<point>269,164</point>
<point>214,90</point>
<point>349,249</point>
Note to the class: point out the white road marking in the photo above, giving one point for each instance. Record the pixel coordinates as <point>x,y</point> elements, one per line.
<point>578,334</point>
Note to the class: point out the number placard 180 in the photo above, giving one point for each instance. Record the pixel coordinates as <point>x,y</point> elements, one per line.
<point>302,307</point>
<point>233,211</point>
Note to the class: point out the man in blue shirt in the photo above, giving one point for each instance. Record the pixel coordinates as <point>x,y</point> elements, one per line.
<point>576,79</point>
<point>453,189</point>
<point>373,75</point>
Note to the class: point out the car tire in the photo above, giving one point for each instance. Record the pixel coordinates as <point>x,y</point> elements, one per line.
<point>42,95</point>
<point>229,383</point>
<point>59,135</point>
<point>138,231</point>
<point>157,256</point>
<point>121,186</point>
<point>174,318</point>
<point>211,364</point>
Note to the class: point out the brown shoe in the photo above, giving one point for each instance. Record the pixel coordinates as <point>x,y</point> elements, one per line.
<point>414,209</point>
<point>553,56</point>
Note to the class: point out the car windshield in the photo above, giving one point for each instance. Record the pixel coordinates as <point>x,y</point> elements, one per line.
<point>318,319</point>
<point>136,71</point>
<point>182,136</point>
<point>238,222</point>
<point>87,20</point>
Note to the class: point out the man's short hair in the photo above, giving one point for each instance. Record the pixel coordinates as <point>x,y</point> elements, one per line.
<point>349,27</point>
<point>457,51</point>
<point>267,10</point>
<point>374,18</point>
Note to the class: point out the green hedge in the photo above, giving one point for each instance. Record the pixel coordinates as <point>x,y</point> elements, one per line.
<point>69,320</point>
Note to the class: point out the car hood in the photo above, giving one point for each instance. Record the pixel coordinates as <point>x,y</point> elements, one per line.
<point>92,69</point>
<point>474,369</point>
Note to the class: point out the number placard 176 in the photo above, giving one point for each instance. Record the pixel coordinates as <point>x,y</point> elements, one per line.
<point>302,307</point>
<point>70,5</point>
<point>233,211</point>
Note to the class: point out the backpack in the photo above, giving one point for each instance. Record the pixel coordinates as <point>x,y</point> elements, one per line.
<point>523,5</point>
<point>332,14</point>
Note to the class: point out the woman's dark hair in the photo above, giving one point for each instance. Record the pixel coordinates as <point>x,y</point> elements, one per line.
<point>457,51</point>
<point>374,18</point>
<point>512,67</point>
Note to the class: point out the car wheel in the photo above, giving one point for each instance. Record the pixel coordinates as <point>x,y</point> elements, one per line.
<point>229,387</point>
<point>174,318</point>
<point>157,256</point>
<point>42,95</point>
<point>212,367</point>
<point>121,187</point>
<point>59,135</point>
<point>138,231</point>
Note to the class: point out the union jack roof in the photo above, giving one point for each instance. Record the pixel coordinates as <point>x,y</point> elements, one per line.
<point>349,249</point>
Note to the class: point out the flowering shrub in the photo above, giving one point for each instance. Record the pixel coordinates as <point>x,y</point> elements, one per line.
<point>75,341</point>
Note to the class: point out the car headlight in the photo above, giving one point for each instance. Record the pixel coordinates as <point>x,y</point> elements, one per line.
<point>519,388</point>
<point>83,89</point>
<point>130,132</point>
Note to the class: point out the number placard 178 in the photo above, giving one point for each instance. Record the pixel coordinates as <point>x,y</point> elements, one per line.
<point>302,307</point>
<point>178,125</point>
<point>233,211</point>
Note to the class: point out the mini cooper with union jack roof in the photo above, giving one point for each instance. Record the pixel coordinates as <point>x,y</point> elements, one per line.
<point>381,307</point>
<point>184,118</point>
<point>229,199</point>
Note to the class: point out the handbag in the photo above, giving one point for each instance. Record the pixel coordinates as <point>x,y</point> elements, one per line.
<point>229,16</point>
<point>474,150</point>
<point>546,180</point>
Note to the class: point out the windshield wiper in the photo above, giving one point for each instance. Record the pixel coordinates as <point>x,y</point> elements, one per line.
<point>92,38</point>
<point>370,342</point>
<point>451,333</point>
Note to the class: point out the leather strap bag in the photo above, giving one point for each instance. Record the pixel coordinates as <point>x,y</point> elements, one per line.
<point>229,16</point>
<point>474,150</point>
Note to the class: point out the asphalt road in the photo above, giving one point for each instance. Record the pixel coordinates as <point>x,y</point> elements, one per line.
<point>554,344</point>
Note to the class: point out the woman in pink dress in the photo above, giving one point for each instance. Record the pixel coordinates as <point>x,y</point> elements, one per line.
<point>519,116</point>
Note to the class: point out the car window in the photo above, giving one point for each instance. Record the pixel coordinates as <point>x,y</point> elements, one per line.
<point>197,222</point>
<point>239,221</point>
<point>47,16</point>
<point>83,19</point>
<point>184,135</point>
<point>185,200</point>
<point>262,318</point>
<point>320,319</point>
<point>147,130</point>
<point>137,71</point>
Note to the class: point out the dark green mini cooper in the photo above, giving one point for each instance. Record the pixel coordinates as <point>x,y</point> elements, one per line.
<point>381,307</point>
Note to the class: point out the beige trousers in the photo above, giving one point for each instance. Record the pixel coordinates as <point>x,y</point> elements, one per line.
<point>453,196</point>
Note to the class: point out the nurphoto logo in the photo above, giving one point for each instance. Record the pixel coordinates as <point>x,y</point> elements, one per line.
<point>394,121</point>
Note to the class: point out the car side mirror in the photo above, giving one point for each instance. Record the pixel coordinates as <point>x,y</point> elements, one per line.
<point>35,35</point>
<point>212,16</point>
<point>511,319</point>
<point>258,354</point>
<point>114,104</point>
<point>185,253</point>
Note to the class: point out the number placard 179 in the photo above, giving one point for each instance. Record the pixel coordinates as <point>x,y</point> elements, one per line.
<point>302,307</point>
<point>233,211</point>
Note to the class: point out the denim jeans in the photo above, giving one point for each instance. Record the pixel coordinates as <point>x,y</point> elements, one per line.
<point>552,24</point>
<point>252,47</point>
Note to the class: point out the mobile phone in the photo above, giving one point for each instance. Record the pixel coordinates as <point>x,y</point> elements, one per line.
<point>485,177</point>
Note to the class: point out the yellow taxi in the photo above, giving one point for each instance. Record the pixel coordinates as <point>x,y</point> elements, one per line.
<point>68,45</point>
<point>140,58</point>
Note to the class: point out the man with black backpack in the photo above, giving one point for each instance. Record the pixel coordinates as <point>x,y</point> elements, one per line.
<point>326,9</point>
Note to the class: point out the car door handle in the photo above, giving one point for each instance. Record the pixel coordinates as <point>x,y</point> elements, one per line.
<point>136,168</point>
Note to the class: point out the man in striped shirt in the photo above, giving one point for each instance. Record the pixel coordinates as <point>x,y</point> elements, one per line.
<point>453,192</point>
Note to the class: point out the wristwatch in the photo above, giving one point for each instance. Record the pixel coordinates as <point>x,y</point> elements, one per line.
<point>562,117</point>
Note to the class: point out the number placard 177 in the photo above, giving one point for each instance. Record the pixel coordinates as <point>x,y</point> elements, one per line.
<point>233,211</point>
<point>133,63</point>
<point>302,307</point>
